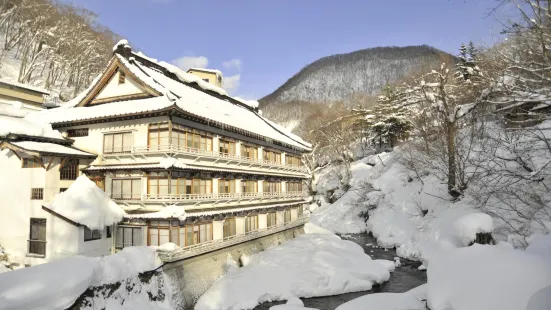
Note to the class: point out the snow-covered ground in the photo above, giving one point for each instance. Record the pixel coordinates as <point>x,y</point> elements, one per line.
<point>317,263</point>
<point>412,299</point>
<point>58,284</point>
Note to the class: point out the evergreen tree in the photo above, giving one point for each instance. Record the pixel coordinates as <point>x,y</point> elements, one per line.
<point>391,119</point>
<point>467,67</point>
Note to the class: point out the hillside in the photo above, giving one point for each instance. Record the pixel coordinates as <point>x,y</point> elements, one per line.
<point>341,76</point>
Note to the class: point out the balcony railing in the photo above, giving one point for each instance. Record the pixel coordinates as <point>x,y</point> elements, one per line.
<point>177,149</point>
<point>213,245</point>
<point>208,196</point>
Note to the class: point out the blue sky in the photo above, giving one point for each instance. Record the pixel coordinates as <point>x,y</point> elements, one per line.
<point>259,44</point>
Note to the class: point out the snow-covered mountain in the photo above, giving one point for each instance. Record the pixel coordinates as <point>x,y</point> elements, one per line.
<point>366,71</point>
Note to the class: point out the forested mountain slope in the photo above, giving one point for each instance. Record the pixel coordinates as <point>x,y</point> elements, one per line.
<point>338,77</point>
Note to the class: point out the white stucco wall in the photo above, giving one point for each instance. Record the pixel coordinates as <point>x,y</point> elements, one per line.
<point>114,89</point>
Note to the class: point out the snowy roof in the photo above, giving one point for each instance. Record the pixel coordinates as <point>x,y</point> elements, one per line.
<point>86,204</point>
<point>24,86</point>
<point>180,213</point>
<point>218,72</point>
<point>12,121</point>
<point>179,94</point>
<point>172,163</point>
<point>50,148</point>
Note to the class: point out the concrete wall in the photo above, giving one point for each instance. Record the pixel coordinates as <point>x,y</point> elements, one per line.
<point>195,275</point>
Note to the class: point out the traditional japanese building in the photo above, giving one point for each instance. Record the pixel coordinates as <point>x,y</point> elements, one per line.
<point>189,163</point>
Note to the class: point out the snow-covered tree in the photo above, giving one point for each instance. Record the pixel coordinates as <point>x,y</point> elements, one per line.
<point>392,119</point>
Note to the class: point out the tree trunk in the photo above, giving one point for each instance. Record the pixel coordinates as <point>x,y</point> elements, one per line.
<point>452,190</point>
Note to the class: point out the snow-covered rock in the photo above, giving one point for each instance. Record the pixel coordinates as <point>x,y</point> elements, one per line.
<point>58,284</point>
<point>482,277</point>
<point>471,224</point>
<point>315,264</point>
<point>293,303</point>
<point>412,299</point>
<point>85,203</point>
<point>387,263</point>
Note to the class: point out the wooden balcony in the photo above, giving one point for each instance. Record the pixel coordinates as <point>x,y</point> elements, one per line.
<point>196,154</point>
<point>213,245</point>
<point>215,197</point>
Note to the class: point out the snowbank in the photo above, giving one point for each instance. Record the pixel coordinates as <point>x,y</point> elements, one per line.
<point>412,299</point>
<point>316,264</point>
<point>469,225</point>
<point>85,203</point>
<point>541,246</point>
<point>482,277</point>
<point>58,284</point>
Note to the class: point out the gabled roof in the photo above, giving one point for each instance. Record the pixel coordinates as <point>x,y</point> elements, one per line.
<point>174,90</point>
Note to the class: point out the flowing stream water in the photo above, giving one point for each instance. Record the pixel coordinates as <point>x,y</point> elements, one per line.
<point>404,278</point>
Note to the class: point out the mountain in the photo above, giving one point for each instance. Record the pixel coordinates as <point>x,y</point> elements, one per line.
<point>338,77</point>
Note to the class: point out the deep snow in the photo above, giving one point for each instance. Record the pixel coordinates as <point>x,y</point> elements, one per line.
<point>317,263</point>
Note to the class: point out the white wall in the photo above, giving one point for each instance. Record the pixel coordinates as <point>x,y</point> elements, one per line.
<point>114,89</point>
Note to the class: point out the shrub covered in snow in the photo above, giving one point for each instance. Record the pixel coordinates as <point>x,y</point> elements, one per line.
<point>472,226</point>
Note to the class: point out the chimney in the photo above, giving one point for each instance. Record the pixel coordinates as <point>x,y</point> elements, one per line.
<point>123,48</point>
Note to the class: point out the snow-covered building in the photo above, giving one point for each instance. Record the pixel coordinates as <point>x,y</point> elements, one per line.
<point>28,97</point>
<point>208,75</point>
<point>38,163</point>
<point>187,162</point>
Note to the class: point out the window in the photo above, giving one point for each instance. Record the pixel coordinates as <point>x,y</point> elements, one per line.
<point>37,237</point>
<point>287,215</point>
<point>163,186</point>
<point>272,157</point>
<point>128,236</point>
<point>249,186</point>
<point>300,211</point>
<point>227,147</point>
<point>61,190</point>
<point>117,143</point>
<point>249,152</point>
<point>81,132</point>
<point>271,219</point>
<point>108,231</point>
<point>31,163</point>
<point>251,223</point>
<point>294,187</point>
<point>229,227</point>
<point>158,136</point>
<point>292,161</point>
<point>158,186</point>
<point>272,187</point>
<point>126,189</point>
<point>69,171</point>
<point>226,186</point>
<point>37,193</point>
<point>122,77</point>
<point>161,232</point>
<point>206,80</point>
<point>90,235</point>
<point>195,233</point>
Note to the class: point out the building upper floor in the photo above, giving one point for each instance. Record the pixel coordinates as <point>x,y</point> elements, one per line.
<point>208,75</point>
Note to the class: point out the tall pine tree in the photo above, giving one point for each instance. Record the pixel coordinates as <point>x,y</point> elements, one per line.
<point>392,122</point>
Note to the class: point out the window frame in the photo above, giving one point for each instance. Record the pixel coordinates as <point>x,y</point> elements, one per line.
<point>70,170</point>
<point>230,228</point>
<point>78,132</point>
<point>132,194</point>
<point>95,234</point>
<point>121,239</point>
<point>37,193</point>
<point>122,77</point>
<point>122,146</point>
<point>31,162</point>
<point>32,242</point>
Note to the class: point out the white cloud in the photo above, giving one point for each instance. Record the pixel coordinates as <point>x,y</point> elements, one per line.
<point>187,62</point>
<point>233,63</point>
<point>231,83</point>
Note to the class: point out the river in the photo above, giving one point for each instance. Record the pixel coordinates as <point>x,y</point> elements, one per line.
<point>401,280</point>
